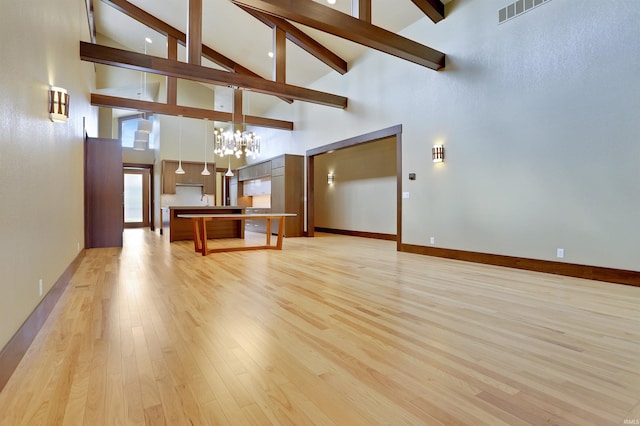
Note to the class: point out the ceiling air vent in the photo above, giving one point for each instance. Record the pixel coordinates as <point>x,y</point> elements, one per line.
<point>517,8</point>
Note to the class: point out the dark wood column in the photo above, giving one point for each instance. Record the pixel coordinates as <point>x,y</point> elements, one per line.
<point>237,110</point>
<point>172,82</point>
<point>279,55</point>
<point>103,193</point>
<point>361,9</point>
<point>194,33</point>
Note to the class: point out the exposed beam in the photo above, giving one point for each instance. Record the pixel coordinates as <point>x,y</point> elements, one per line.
<point>279,55</point>
<point>361,9</point>
<point>167,67</point>
<point>331,21</point>
<point>237,108</point>
<point>194,33</point>
<point>162,27</point>
<point>175,110</point>
<point>91,20</point>
<point>172,82</point>
<point>301,39</point>
<point>434,9</point>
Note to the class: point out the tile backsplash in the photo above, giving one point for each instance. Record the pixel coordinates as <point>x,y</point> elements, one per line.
<point>187,196</point>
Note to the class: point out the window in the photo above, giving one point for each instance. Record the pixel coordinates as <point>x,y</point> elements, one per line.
<point>127,127</point>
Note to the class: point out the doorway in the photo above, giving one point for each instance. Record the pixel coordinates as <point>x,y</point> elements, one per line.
<point>390,132</point>
<point>138,196</point>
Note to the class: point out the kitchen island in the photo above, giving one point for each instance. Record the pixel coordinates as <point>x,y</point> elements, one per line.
<point>181,229</point>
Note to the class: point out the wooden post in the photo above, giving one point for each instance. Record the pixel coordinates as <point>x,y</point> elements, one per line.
<point>194,33</point>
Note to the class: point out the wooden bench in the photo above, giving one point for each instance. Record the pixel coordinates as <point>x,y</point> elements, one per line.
<point>198,222</point>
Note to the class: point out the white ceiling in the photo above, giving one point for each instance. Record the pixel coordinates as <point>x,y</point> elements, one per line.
<point>242,38</point>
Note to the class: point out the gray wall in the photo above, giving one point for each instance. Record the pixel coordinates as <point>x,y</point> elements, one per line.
<point>41,163</point>
<point>539,118</point>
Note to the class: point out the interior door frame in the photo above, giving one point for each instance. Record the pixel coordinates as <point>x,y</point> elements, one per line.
<point>346,143</point>
<point>146,168</point>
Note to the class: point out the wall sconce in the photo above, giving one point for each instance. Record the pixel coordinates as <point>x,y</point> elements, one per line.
<point>330,178</point>
<point>58,104</point>
<point>437,153</point>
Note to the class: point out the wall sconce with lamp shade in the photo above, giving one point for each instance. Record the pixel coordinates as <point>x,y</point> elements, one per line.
<point>330,178</point>
<point>437,153</point>
<point>58,104</point>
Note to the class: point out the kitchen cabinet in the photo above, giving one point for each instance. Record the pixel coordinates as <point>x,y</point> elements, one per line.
<point>284,177</point>
<point>181,229</point>
<point>287,192</point>
<point>192,176</point>
<point>257,225</point>
<point>255,171</point>
<point>260,186</point>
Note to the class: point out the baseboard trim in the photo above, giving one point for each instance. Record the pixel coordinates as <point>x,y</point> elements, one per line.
<point>375,235</point>
<point>618,276</point>
<point>14,350</point>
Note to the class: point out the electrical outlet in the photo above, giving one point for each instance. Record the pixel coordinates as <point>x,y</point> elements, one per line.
<point>560,253</point>
<point>432,240</point>
<point>40,287</point>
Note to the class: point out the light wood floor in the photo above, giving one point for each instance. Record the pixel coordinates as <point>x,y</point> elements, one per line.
<point>330,330</point>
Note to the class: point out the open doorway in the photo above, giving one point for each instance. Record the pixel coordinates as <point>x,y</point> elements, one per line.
<point>313,155</point>
<point>138,196</point>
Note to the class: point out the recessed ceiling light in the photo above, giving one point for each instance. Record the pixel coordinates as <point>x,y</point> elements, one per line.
<point>270,54</point>
<point>148,40</point>
<point>331,1</point>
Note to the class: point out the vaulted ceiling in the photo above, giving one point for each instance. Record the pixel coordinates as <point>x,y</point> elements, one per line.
<point>226,43</point>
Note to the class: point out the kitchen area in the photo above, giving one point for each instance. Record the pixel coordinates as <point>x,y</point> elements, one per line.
<point>273,185</point>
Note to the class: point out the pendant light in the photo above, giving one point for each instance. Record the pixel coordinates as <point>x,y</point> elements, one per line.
<point>229,172</point>
<point>180,170</point>
<point>205,171</point>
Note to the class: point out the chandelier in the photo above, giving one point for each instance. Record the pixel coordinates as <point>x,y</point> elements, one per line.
<point>236,143</point>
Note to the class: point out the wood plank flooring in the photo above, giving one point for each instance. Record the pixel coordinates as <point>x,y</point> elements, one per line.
<point>332,330</point>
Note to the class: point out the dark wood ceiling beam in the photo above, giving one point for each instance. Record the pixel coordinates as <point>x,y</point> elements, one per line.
<point>361,9</point>
<point>162,66</point>
<point>237,109</point>
<point>279,55</point>
<point>106,101</point>
<point>301,39</point>
<point>434,9</point>
<point>172,82</point>
<point>194,33</point>
<point>162,27</point>
<point>340,24</point>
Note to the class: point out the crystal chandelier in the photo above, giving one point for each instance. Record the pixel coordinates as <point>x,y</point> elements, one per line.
<point>236,143</point>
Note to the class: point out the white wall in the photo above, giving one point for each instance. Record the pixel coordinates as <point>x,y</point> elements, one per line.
<point>539,118</point>
<point>41,163</point>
